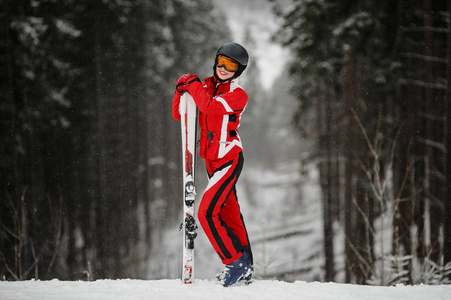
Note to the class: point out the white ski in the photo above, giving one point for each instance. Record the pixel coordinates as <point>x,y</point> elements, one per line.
<point>188,112</point>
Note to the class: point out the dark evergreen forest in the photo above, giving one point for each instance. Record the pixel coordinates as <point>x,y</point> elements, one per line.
<point>88,155</point>
<point>373,79</point>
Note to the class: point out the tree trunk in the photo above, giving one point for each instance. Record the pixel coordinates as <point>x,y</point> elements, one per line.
<point>447,200</point>
<point>324,116</point>
<point>358,214</point>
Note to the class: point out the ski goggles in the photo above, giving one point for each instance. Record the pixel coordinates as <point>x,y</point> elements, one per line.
<point>228,64</point>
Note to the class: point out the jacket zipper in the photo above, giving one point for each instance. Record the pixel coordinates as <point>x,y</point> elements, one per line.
<point>206,116</point>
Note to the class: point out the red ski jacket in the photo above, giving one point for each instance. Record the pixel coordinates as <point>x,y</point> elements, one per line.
<point>220,107</point>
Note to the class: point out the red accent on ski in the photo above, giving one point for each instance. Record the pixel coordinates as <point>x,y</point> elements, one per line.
<point>188,162</point>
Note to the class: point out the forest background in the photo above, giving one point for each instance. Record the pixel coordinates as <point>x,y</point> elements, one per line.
<point>90,183</point>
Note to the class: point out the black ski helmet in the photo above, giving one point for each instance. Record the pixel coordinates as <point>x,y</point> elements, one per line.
<point>237,53</point>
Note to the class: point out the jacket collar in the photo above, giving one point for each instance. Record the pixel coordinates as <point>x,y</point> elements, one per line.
<point>217,81</point>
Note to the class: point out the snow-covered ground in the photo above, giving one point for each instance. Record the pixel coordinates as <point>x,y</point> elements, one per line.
<point>204,289</point>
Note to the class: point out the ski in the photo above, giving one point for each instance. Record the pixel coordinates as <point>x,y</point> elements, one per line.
<point>188,112</point>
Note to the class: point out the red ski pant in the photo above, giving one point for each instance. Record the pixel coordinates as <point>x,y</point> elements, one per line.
<point>219,213</point>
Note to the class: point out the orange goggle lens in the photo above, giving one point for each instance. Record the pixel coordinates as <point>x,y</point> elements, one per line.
<point>229,64</point>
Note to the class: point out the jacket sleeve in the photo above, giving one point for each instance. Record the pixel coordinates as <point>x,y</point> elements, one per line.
<point>227,103</point>
<point>175,107</point>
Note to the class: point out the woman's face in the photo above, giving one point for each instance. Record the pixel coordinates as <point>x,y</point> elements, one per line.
<point>223,74</point>
<point>225,67</point>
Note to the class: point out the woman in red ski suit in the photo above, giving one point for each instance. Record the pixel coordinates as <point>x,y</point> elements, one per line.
<point>221,101</point>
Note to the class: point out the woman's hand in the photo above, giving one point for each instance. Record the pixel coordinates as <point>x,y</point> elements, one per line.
<point>184,82</point>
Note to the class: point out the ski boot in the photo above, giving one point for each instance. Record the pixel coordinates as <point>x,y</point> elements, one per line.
<point>220,276</point>
<point>238,270</point>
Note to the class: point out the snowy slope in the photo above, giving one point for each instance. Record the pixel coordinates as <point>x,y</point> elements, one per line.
<point>207,290</point>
